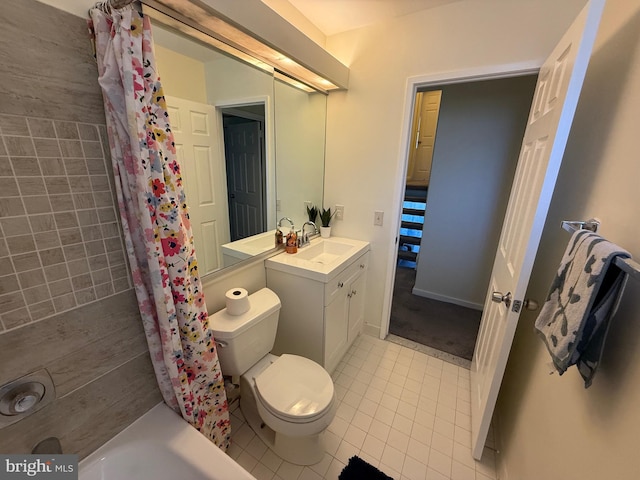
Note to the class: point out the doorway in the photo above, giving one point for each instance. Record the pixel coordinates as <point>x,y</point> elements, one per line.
<point>479,131</point>
<point>244,152</point>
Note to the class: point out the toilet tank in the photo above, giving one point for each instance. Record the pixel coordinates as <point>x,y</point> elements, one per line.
<point>244,339</point>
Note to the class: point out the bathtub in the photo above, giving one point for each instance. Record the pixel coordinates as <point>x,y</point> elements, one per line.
<point>160,446</point>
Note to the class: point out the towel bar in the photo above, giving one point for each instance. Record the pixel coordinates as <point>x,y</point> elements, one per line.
<point>627,265</point>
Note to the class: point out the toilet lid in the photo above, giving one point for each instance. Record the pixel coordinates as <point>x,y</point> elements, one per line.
<point>295,387</point>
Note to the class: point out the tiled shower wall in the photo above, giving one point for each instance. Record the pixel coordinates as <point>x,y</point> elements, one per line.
<point>61,246</point>
<point>66,302</point>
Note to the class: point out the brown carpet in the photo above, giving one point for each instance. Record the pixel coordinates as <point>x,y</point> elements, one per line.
<point>444,326</point>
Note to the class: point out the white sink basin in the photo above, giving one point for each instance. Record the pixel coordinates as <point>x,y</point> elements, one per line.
<point>321,260</point>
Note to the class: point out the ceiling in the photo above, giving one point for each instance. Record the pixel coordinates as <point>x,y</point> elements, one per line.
<point>336,16</point>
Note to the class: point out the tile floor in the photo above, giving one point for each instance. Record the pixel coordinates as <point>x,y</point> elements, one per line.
<point>403,411</point>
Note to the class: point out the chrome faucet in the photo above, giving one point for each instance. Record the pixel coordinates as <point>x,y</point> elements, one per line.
<point>287,219</point>
<point>304,238</point>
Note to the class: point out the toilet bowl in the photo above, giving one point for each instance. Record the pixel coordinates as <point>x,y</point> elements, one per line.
<point>288,401</point>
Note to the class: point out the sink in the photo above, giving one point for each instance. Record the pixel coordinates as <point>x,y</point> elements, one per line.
<point>234,252</point>
<point>322,260</point>
<point>324,252</point>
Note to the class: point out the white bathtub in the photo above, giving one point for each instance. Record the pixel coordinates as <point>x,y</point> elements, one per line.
<point>160,446</point>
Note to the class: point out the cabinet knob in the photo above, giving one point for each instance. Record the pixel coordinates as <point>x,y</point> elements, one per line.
<point>349,295</point>
<point>340,284</point>
<point>353,292</point>
<point>362,265</point>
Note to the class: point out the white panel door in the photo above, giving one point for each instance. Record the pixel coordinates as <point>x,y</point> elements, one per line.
<point>199,154</point>
<point>545,138</point>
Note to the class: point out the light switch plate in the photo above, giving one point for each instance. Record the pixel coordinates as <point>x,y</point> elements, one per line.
<point>378,218</point>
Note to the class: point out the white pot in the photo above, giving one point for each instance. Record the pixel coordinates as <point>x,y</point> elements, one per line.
<point>325,232</point>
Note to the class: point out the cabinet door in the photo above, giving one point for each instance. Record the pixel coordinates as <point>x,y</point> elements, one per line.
<point>335,330</point>
<point>356,307</point>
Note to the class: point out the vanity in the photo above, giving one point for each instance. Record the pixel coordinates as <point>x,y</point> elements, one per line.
<point>322,293</point>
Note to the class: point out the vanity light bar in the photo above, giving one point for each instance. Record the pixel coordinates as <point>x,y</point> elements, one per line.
<point>293,82</point>
<point>206,27</point>
<point>182,24</point>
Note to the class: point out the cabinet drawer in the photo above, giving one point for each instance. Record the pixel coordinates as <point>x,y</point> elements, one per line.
<point>333,288</point>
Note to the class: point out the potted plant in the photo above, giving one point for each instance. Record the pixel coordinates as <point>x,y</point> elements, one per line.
<point>325,219</point>
<point>312,212</point>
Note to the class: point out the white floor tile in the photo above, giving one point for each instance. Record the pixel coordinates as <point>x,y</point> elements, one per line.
<point>393,457</point>
<point>355,436</point>
<point>413,469</point>
<point>403,411</point>
<point>373,446</point>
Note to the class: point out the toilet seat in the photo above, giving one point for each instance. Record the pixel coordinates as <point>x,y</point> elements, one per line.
<point>295,389</point>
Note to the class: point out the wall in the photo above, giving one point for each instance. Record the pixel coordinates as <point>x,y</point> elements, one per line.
<point>66,302</point>
<point>550,426</point>
<point>479,135</point>
<point>364,124</point>
<point>181,76</point>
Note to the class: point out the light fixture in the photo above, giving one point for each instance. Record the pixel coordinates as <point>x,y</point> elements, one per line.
<point>203,25</point>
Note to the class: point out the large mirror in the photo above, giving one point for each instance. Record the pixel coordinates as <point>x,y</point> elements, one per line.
<point>251,147</point>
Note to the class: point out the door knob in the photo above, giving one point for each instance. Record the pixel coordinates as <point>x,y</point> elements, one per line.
<point>530,304</point>
<point>499,297</point>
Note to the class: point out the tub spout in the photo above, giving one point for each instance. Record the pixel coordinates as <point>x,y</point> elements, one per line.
<point>49,445</point>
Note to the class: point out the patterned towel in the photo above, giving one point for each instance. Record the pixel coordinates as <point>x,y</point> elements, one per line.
<point>574,320</point>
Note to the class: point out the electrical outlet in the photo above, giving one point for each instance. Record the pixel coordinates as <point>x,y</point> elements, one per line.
<point>378,218</point>
<point>278,205</point>
<point>339,212</point>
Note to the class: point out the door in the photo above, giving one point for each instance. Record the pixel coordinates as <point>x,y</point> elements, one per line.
<point>424,135</point>
<point>243,146</point>
<point>554,104</point>
<point>199,154</point>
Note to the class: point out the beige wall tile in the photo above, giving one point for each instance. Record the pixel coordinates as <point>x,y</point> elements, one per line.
<point>46,147</point>
<point>95,348</point>
<point>19,146</point>
<point>41,127</point>
<point>16,318</point>
<point>21,244</point>
<point>67,130</point>
<point>25,166</point>
<point>31,185</point>
<point>13,125</point>
<point>51,166</point>
<point>52,256</point>
<point>6,266</point>
<point>8,187</point>
<point>36,204</point>
<point>42,223</point>
<point>26,261</point>
<point>8,284</point>
<point>88,132</point>
<point>15,225</point>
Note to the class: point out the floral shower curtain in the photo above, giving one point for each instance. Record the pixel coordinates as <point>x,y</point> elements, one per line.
<point>156,224</point>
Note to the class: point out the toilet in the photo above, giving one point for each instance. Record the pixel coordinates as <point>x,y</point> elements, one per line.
<point>289,400</point>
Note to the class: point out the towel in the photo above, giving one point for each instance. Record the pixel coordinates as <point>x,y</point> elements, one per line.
<point>575,318</point>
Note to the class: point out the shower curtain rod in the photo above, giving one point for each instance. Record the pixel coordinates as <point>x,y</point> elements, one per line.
<point>118,3</point>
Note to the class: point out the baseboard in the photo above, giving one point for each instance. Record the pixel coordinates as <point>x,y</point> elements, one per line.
<point>445,298</point>
<point>373,330</point>
<point>501,467</point>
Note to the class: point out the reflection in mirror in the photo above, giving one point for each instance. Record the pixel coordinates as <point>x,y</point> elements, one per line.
<point>300,139</point>
<point>231,122</point>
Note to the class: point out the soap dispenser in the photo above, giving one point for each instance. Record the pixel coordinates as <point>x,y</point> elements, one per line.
<point>279,238</point>
<point>291,245</point>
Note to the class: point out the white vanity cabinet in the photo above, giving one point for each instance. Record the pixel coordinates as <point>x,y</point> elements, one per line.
<point>320,320</point>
